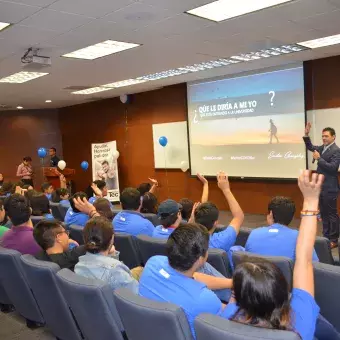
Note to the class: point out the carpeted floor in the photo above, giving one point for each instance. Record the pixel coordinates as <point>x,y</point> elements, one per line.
<point>13,327</point>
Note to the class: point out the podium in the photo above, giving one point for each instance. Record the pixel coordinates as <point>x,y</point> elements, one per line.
<point>51,175</point>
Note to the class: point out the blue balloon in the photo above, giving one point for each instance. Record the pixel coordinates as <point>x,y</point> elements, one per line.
<point>84,165</point>
<point>42,153</point>
<point>163,141</point>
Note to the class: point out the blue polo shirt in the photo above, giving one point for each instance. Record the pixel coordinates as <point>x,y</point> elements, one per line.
<point>49,196</point>
<point>92,199</point>
<point>65,203</point>
<point>224,239</point>
<point>304,313</point>
<point>161,232</point>
<point>160,282</point>
<point>275,240</point>
<point>133,223</point>
<point>77,218</point>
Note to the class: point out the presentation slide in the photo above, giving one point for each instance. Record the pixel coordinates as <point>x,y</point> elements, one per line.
<point>249,126</point>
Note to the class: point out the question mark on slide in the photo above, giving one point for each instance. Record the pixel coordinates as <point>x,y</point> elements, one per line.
<point>272,97</point>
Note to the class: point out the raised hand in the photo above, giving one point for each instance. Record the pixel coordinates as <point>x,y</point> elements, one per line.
<point>202,179</point>
<point>307,128</point>
<point>192,217</point>
<point>84,205</point>
<point>222,181</point>
<point>96,190</point>
<point>310,189</point>
<point>154,181</point>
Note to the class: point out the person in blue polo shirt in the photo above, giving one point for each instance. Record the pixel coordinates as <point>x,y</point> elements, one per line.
<point>97,190</point>
<point>174,278</point>
<point>73,215</point>
<point>47,189</point>
<point>207,215</point>
<point>169,212</point>
<point>130,220</point>
<point>277,239</point>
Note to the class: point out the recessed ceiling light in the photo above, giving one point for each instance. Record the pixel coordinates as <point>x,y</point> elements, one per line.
<point>93,90</point>
<point>48,101</point>
<point>22,77</point>
<point>225,9</point>
<point>123,83</point>
<point>322,42</point>
<point>19,107</point>
<point>100,50</point>
<point>3,25</point>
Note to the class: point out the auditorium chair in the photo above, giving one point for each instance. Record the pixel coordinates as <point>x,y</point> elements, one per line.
<point>92,304</point>
<point>212,327</point>
<point>323,250</point>
<point>327,291</point>
<point>76,233</point>
<point>14,281</point>
<point>41,276</point>
<point>63,210</point>
<point>144,319</point>
<point>55,211</point>
<point>153,218</point>
<point>5,303</point>
<point>283,263</point>
<point>36,219</point>
<point>242,236</point>
<point>127,246</point>
<point>218,258</point>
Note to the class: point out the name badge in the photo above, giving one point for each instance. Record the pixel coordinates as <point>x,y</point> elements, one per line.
<point>122,218</point>
<point>164,273</point>
<point>273,230</point>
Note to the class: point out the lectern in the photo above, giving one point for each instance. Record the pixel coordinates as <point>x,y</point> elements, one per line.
<point>51,175</point>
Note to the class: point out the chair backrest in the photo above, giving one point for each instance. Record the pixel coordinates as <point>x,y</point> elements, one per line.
<point>127,246</point>
<point>285,264</point>
<point>212,327</point>
<point>218,258</point>
<point>63,210</point>
<point>36,219</point>
<point>4,299</point>
<point>42,279</point>
<point>153,218</point>
<point>92,304</point>
<point>14,281</point>
<point>55,211</point>
<point>144,319</point>
<point>76,233</point>
<point>149,246</point>
<point>242,236</point>
<point>327,289</point>
<point>323,250</point>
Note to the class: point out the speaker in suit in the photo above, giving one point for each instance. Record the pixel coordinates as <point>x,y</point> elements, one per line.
<point>328,159</point>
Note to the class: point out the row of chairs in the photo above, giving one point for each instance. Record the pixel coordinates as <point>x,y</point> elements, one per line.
<point>74,307</point>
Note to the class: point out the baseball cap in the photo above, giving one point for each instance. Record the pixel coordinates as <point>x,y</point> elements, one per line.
<point>169,207</point>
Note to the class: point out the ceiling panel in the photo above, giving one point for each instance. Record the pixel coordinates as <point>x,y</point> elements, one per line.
<point>13,13</point>
<point>177,6</point>
<point>40,3</point>
<point>86,7</point>
<point>56,21</point>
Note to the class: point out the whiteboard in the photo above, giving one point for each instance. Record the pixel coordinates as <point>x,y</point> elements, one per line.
<point>176,151</point>
<point>319,120</point>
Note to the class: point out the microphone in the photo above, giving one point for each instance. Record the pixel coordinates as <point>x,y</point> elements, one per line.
<point>313,161</point>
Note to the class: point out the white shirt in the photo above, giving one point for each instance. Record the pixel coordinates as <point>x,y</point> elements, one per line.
<point>327,147</point>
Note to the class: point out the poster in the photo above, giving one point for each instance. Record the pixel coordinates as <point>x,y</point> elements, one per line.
<point>104,167</point>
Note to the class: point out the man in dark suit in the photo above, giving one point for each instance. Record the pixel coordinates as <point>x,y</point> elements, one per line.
<point>54,158</point>
<point>328,158</point>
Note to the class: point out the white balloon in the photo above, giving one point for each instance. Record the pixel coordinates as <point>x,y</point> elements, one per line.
<point>115,155</point>
<point>61,165</point>
<point>184,166</point>
<point>124,98</point>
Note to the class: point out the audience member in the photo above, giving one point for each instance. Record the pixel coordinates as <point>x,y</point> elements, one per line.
<point>1,180</point>
<point>20,236</point>
<point>170,216</point>
<point>103,207</point>
<point>5,223</point>
<point>73,215</point>
<point>98,262</point>
<point>6,189</point>
<point>40,206</point>
<point>54,159</point>
<point>47,189</point>
<point>149,203</point>
<point>174,279</point>
<point>130,220</point>
<point>147,187</point>
<point>277,239</point>
<point>25,171</point>
<point>97,190</point>
<point>62,196</point>
<point>54,241</point>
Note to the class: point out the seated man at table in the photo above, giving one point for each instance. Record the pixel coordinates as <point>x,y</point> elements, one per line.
<point>73,215</point>
<point>277,239</point>
<point>130,220</point>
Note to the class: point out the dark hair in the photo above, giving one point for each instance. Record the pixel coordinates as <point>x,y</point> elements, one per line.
<point>27,159</point>
<point>169,220</point>
<point>105,162</point>
<point>45,186</point>
<point>149,203</point>
<point>143,188</point>
<point>57,193</point>
<point>40,204</point>
<point>187,206</point>
<point>45,232</point>
<point>6,188</point>
<point>330,130</point>
<point>262,295</point>
<point>100,184</point>
<point>186,245</point>
<point>130,199</point>
<point>15,185</point>
<point>98,234</point>
<point>207,214</point>
<point>54,149</point>
<point>76,195</point>
<point>283,209</point>
<point>103,207</point>
<point>17,209</point>
<point>2,207</point>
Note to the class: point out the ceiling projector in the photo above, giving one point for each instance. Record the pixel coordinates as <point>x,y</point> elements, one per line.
<point>32,61</point>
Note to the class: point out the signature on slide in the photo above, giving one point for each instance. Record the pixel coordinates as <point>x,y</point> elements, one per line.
<point>287,155</point>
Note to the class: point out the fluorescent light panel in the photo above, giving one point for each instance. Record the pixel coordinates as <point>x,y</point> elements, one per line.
<point>123,83</point>
<point>225,9</point>
<point>322,42</point>
<point>3,25</point>
<point>92,90</point>
<point>100,50</point>
<point>22,77</point>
